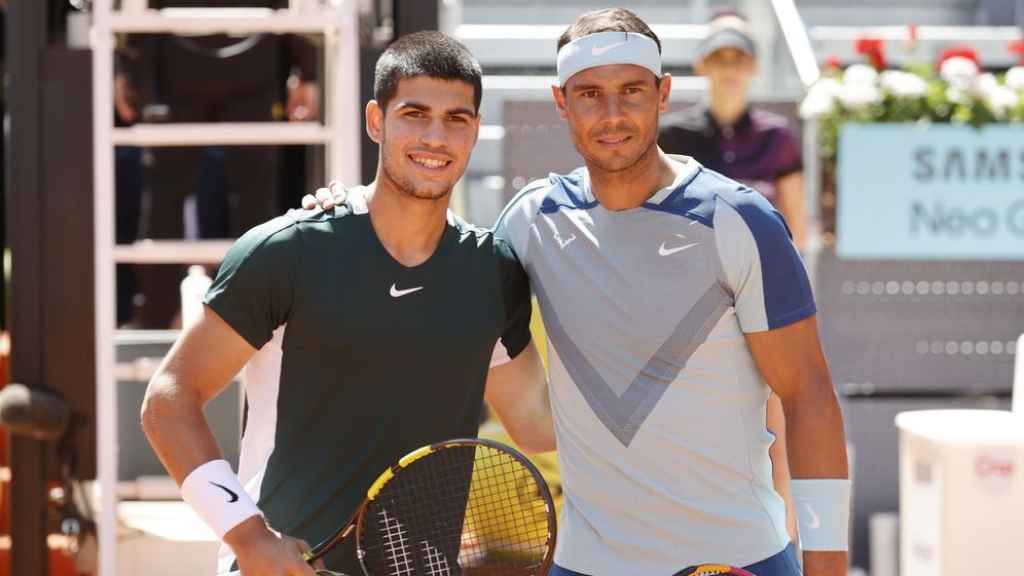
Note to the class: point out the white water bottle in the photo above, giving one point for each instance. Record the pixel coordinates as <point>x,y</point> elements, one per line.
<point>193,288</point>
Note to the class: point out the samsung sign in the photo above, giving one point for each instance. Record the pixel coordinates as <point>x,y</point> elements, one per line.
<point>931,192</point>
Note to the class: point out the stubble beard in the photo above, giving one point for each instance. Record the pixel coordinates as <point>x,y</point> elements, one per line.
<point>595,162</point>
<point>620,164</point>
<point>407,185</point>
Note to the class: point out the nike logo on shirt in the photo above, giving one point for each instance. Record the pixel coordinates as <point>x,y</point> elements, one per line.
<point>232,497</point>
<point>396,293</point>
<point>665,251</point>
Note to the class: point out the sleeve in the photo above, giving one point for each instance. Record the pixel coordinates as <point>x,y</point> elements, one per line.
<point>515,288</point>
<point>790,158</point>
<point>515,223</point>
<point>254,288</point>
<point>760,264</point>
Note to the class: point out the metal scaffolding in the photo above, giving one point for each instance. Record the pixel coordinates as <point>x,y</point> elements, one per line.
<point>337,21</point>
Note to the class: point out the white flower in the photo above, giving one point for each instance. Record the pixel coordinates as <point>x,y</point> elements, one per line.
<point>984,84</point>
<point>860,74</point>
<point>1015,78</point>
<point>958,71</point>
<point>957,95</point>
<point>903,84</point>
<point>1001,99</point>
<point>860,96</point>
<point>820,99</point>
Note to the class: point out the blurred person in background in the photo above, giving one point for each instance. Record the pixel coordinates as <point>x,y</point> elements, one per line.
<point>217,78</point>
<point>725,134</point>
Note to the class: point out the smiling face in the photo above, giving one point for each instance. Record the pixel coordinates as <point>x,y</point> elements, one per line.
<point>613,114</point>
<point>426,135</point>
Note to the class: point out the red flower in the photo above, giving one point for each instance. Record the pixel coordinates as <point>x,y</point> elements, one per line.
<point>912,32</point>
<point>1017,48</point>
<point>873,49</point>
<point>958,52</point>
<point>832,62</point>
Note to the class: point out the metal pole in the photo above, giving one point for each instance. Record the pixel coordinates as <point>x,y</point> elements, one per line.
<point>699,12</point>
<point>26,43</point>
<point>103,228</point>
<point>349,121</point>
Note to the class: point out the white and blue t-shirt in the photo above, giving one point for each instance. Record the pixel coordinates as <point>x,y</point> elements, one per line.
<point>659,408</point>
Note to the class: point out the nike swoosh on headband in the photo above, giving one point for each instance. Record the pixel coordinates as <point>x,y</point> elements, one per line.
<point>598,50</point>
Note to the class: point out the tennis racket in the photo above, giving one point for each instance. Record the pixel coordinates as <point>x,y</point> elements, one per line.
<point>460,507</point>
<point>714,570</point>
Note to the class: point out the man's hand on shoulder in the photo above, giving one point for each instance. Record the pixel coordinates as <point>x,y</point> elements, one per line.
<point>263,552</point>
<point>325,198</point>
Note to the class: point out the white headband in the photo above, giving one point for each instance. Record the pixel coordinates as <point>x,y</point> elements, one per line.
<point>605,48</point>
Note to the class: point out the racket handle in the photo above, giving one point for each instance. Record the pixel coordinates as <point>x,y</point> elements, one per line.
<point>318,573</point>
<point>320,549</point>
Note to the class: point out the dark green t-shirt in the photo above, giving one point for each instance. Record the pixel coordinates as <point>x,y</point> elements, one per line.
<point>378,358</point>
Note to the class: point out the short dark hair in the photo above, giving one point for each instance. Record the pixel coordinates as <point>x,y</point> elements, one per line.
<point>607,20</point>
<point>430,53</point>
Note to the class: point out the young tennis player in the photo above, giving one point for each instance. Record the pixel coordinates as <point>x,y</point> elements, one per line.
<point>674,303</point>
<point>392,311</point>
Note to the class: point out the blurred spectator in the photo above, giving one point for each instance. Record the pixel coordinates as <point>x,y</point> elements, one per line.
<point>128,185</point>
<point>725,134</point>
<point>217,78</point>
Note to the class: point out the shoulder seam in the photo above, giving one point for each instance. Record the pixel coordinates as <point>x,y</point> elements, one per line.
<point>723,272</point>
<point>530,188</point>
<point>523,193</point>
<point>464,227</point>
<point>292,223</point>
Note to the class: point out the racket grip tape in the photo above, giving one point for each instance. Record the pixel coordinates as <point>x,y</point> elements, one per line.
<point>307,556</point>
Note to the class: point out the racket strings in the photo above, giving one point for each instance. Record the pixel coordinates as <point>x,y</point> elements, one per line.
<point>459,510</point>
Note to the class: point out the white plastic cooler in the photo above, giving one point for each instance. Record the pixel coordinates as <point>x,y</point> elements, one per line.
<point>961,492</point>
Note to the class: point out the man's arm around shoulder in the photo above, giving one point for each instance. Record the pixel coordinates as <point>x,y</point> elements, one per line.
<point>518,392</point>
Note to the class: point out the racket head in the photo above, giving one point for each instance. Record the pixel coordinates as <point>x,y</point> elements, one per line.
<point>713,570</point>
<point>464,506</point>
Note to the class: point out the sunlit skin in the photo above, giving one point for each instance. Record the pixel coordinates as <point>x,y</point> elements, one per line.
<point>613,112</point>
<point>425,135</point>
<point>428,120</point>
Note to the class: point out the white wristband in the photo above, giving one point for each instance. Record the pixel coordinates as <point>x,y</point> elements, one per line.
<point>823,512</point>
<point>213,491</point>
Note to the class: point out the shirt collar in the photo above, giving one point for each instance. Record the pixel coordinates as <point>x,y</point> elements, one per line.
<point>689,168</point>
